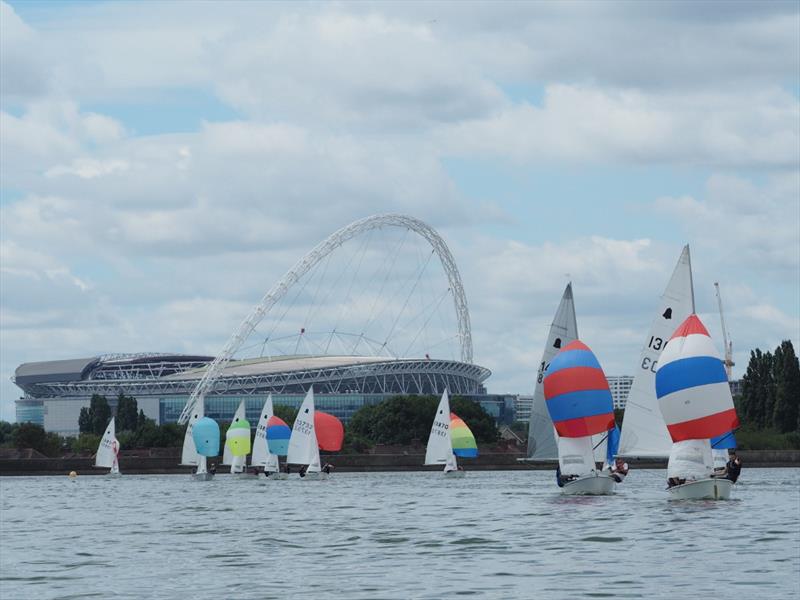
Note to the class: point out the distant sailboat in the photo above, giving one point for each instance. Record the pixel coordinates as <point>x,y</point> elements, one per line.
<point>190,455</point>
<point>303,446</point>
<point>108,450</point>
<point>263,455</point>
<point>238,430</point>
<point>644,433</point>
<point>449,437</point>
<point>696,403</point>
<point>563,330</point>
<point>580,405</point>
<point>205,435</point>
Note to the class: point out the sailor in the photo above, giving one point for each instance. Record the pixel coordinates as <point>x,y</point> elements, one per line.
<point>619,470</point>
<point>733,468</point>
<point>213,469</point>
<point>327,468</point>
<point>288,469</point>
<point>267,473</point>
<point>562,479</point>
<point>673,481</point>
<point>303,470</point>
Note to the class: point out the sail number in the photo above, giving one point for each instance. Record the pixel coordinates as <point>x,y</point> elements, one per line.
<point>648,364</point>
<point>542,368</point>
<point>656,343</point>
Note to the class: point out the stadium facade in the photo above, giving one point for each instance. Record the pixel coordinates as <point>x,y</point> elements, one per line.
<point>55,391</point>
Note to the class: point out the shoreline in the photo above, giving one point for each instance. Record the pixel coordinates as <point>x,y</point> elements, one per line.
<point>354,463</point>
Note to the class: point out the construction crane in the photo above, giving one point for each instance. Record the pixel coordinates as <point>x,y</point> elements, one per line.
<point>725,337</point>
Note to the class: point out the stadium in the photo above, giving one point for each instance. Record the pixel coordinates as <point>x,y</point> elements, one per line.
<point>167,385</point>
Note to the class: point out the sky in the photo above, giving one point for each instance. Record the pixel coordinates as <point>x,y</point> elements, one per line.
<point>162,164</point>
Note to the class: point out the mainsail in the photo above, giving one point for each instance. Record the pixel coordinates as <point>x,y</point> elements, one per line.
<point>260,454</point>
<point>108,449</point>
<point>189,454</point>
<point>564,329</point>
<point>643,430</point>
<point>303,447</point>
<point>440,448</point>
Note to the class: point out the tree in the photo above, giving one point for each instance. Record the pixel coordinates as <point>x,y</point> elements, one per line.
<point>127,413</point>
<point>30,435</point>
<point>100,412</point>
<point>787,388</point>
<point>85,421</point>
<point>757,402</point>
<point>285,412</point>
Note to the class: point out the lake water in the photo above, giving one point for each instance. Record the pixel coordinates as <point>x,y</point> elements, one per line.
<point>496,534</point>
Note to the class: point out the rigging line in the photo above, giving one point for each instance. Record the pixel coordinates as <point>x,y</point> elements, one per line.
<point>362,252</point>
<point>452,337</point>
<point>425,324</point>
<point>402,310</point>
<point>388,272</point>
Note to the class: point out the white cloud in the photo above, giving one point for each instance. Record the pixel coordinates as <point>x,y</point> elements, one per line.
<point>87,168</point>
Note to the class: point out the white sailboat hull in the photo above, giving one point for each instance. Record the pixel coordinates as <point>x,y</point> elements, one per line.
<point>315,476</point>
<point>591,485</point>
<point>703,489</point>
<point>203,476</point>
<point>455,474</point>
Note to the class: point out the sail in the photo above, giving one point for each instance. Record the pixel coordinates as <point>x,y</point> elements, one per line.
<point>227,455</point>
<point>578,398</point>
<point>330,431</point>
<point>205,434</point>
<point>237,439</point>
<point>643,430</point>
<point>690,459</point>
<point>439,448</point>
<point>726,441</point>
<point>189,454</point>
<point>109,447</point>
<point>692,386</point>
<point>278,434</point>
<point>612,445</point>
<point>461,438</point>
<point>564,329</point>
<point>576,455</point>
<point>303,448</point>
<point>272,465</point>
<point>260,453</point>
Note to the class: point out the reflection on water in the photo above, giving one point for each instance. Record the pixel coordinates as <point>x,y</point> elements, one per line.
<point>394,535</point>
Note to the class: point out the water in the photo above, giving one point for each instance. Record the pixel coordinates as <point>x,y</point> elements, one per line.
<point>406,535</point>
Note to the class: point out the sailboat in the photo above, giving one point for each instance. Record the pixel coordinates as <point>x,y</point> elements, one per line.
<point>205,435</point>
<point>189,454</point>
<point>696,403</point>
<point>237,442</point>
<point>303,446</point>
<point>564,329</point>
<point>108,450</point>
<point>644,433</point>
<point>267,446</point>
<point>449,437</point>
<point>234,438</point>
<point>580,405</point>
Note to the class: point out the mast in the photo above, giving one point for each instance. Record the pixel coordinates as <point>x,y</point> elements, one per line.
<point>727,343</point>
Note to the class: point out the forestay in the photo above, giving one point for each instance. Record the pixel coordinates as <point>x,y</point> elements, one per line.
<point>643,430</point>
<point>563,330</point>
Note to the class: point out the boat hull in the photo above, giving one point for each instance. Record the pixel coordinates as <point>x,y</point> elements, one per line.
<point>315,476</point>
<point>455,474</point>
<point>202,476</point>
<point>703,489</point>
<point>277,477</point>
<point>592,485</point>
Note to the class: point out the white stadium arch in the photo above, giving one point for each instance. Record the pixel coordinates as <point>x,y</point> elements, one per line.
<point>309,261</point>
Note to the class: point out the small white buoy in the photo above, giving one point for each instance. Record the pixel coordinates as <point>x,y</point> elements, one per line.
<point>72,474</point>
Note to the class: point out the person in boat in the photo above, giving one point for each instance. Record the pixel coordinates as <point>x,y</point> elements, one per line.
<point>327,468</point>
<point>673,481</point>
<point>619,470</point>
<point>303,470</point>
<point>288,469</point>
<point>267,473</point>
<point>733,468</point>
<point>213,469</point>
<point>562,479</point>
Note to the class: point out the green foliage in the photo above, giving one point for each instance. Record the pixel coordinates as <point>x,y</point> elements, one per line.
<point>30,435</point>
<point>86,442</point>
<point>7,433</point>
<point>748,438</point>
<point>95,418</point>
<point>770,397</point>
<point>285,412</point>
<point>127,413</point>
<point>401,420</point>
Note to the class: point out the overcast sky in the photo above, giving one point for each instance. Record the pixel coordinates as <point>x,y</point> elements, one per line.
<point>164,163</point>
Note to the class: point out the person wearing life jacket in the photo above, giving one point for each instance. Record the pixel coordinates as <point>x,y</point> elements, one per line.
<point>733,468</point>
<point>562,479</point>
<point>327,468</point>
<point>619,470</point>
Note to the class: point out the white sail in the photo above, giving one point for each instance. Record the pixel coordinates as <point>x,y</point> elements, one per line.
<point>189,454</point>
<point>303,446</point>
<point>272,465</point>
<point>720,457</point>
<point>690,460</point>
<point>564,329</point>
<point>451,464</point>
<point>108,449</point>
<point>440,447</point>
<point>600,447</point>
<point>261,455</point>
<point>643,430</point>
<point>576,456</point>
